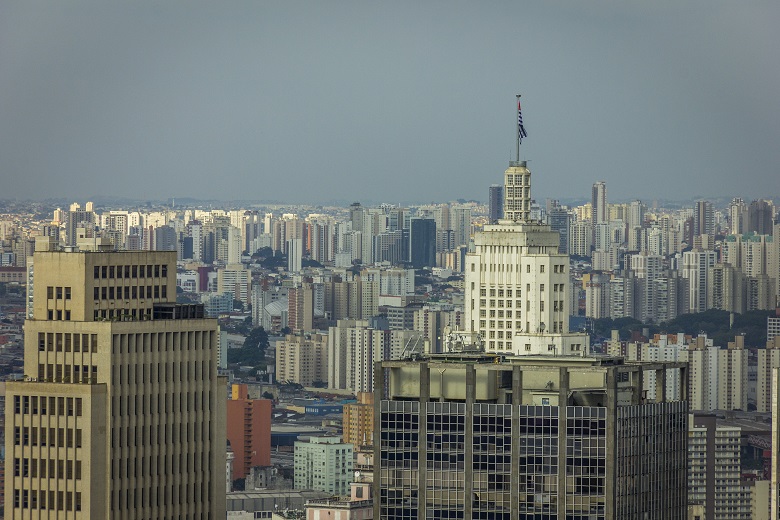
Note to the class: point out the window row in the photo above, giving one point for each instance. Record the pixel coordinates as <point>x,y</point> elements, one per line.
<point>126,500</point>
<point>42,436</point>
<point>65,342</point>
<point>130,292</point>
<point>162,403</point>
<point>162,372</point>
<point>67,373</point>
<point>47,468</point>
<point>48,405</point>
<point>59,315</point>
<point>130,271</point>
<point>57,500</point>
<point>61,293</point>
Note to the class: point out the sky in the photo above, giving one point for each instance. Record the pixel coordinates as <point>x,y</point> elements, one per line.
<point>398,102</point>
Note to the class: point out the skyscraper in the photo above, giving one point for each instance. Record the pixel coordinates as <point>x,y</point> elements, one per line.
<point>600,212</point>
<point>422,242</point>
<point>703,219</point>
<point>760,217</point>
<point>495,203</point>
<point>469,435</point>
<point>121,414</point>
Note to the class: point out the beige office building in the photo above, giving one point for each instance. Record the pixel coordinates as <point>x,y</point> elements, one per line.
<point>121,415</point>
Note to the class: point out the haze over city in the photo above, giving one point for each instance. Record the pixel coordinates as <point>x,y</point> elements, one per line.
<point>310,102</point>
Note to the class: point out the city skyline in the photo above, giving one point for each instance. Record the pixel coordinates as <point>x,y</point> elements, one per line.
<point>312,103</point>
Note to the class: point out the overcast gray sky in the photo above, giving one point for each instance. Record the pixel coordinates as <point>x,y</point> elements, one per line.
<point>387,101</point>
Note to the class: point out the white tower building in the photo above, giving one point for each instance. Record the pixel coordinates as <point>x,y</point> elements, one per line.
<point>517,282</point>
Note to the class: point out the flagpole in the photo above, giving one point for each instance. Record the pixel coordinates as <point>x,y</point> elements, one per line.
<point>517,128</point>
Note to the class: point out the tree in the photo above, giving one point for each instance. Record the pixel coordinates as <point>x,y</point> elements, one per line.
<point>252,353</point>
<point>257,338</point>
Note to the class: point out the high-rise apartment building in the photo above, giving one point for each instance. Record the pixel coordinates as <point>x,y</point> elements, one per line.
<point>600,211</point>
<point>302,358</point>
<point>761,217</point>
<point>121,414</point>
<point>560,221</point>
<point>470,435</point>
<point>358,420</point>
<point>248,431</point>
<point>715,488</point>
<point>703,219</point>
<point>768,360</point>
<point>697,269</point>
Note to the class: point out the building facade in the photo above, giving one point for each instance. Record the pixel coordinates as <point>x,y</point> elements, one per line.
<point>121,414</point>
<point>483,436</point>
<point>248,431</point>
<point>324,464</point>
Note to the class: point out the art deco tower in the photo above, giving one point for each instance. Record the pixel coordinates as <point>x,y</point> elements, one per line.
<point>517,282</point>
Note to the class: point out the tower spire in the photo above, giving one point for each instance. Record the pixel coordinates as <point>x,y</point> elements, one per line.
<point>517,180</point>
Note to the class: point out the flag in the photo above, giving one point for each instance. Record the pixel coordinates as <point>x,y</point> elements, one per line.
<point>520,129</point>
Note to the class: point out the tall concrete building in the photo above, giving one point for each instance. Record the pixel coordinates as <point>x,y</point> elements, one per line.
<point>516,291</point>
<point>600,211</point>
<point>761,217</point>
<point>715,487</point>
<point>517,281</point>
<point>495,203</point>
<point>768,360</point>
<point>323,463</point>
<point>422,243</point>
<point>358,420</point>
<point>302,359</point>
<point>703,219</point>
<point>248,430</point>
<point>697,269</point>
<point>469,435</point>
<point>121,414</point>
<point>560,221</point>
